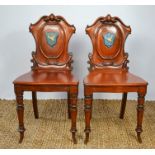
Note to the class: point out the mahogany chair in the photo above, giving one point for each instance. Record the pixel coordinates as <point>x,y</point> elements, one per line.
<point>108,70</point>
<point>51,70</point>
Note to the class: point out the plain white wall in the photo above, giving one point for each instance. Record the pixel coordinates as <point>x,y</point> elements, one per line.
<point>16,43</point>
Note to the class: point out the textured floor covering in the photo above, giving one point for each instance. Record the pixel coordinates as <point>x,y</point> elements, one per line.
<point>51,130</point>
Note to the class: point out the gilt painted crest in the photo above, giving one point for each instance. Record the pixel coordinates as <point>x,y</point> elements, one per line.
<point>109,39</point>
<point>51,38</point>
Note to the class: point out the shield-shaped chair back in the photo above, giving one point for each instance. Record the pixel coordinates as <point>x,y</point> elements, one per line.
<point>52,34</point>
<point>108,35</point>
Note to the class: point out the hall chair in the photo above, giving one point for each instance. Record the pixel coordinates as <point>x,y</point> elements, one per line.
<point>51,69</point>
<point>108,70</point>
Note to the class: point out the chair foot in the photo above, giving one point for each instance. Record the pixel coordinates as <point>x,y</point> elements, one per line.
<point>139,131</point>
<point>73,131</point>
<point>21,130</point>
<point>36,117</point>
<point>87,132</point>
<point>74,138</point>
<point>139,138</point>
<point>86,139</point>
<point>21,137</point>
<point>121,117</point>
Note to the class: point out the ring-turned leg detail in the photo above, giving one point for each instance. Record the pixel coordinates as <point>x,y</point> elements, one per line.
<point>88,115</point>
<point>73,113</point>
<point>140,112</point>
<point>20,113</point>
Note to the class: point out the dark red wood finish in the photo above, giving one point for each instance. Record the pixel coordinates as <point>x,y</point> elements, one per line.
<point>108,70</point>
<point>51,70</point>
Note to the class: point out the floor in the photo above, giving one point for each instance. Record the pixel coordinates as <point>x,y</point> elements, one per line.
<point>51,130</point>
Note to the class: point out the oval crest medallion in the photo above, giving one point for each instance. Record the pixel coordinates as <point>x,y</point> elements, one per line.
<point>109,39</point>
<point>51,38</point>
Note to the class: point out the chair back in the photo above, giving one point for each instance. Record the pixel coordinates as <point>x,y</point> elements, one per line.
<point>52,34</point>
<point>108,35</point>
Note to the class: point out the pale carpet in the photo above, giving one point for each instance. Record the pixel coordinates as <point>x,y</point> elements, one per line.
<point>51,130</point>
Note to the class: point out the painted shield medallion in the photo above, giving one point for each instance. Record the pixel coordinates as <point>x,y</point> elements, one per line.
<point>51,38</point>
<point>109,39</point>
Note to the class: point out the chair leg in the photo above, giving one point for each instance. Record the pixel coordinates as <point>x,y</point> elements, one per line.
<point>140,112</point>
<point>35,107</point>
<point>68,100</point>
<point>73,111</point>
<point>20,113</point>
<point>123,105</point>
<point>88,115</point>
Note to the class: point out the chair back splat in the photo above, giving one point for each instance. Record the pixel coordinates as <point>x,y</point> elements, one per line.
<point>52,34</point>
<point>108,35</point>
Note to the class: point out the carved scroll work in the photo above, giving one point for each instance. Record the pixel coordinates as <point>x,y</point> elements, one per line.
<point>52,34</point>
<point>108,35</point>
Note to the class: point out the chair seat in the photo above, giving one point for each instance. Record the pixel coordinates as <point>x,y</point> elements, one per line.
<point>113,77</point>
<point>46,77</point>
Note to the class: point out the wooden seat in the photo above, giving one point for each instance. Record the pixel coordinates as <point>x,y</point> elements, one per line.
<point>51,69</point>
<point>108,70</point>
<point>112,77</point>
<point>47,77</point>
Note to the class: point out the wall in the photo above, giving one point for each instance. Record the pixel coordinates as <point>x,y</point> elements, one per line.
<point>16,43</point>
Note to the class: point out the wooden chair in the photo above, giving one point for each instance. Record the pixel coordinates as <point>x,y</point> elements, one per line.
<point>108,70</point>
<point>51,70</point>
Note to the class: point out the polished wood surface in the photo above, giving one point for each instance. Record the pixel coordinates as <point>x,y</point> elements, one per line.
<point>56,56</point>
<point>51,69</point>
<point>47,77</point>
<point>103,56</point>
<point>111,77</point>
<point>108,70</point>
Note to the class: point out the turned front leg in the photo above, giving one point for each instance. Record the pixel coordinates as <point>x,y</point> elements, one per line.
<point>20,113</point>
<point>140,112</point>
<point>73,114</point>
<point>88,115</point>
